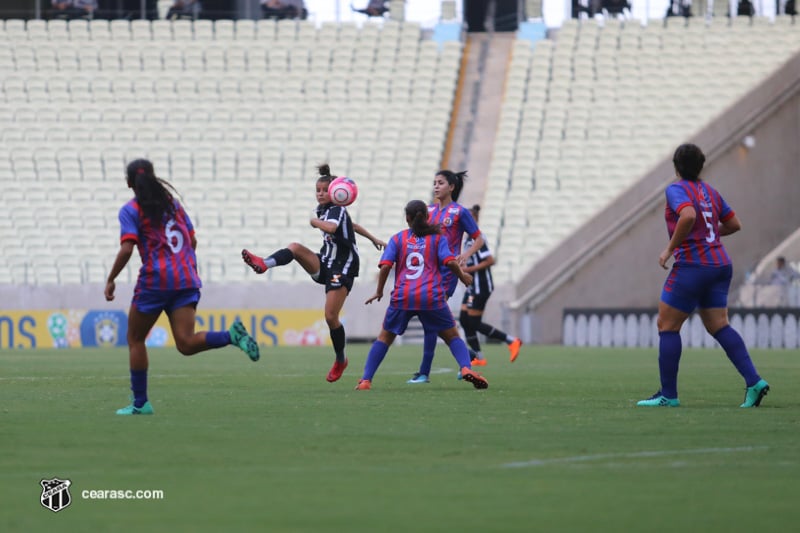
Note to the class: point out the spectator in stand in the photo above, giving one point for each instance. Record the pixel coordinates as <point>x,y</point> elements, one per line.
<point>375,8</point>
<point>73,9</point>
<point>284,9</point>
<point>679,8</point>
<point>783,275</point>
<point>184,9</point>
<point>617,8</point>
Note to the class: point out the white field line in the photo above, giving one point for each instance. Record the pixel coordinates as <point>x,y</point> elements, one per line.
<point>631,455</point>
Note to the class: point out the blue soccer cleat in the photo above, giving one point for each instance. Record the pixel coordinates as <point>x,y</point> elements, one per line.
<point>419,378</point>
<point>145,409</point>
<point>659,400</point>
<point>753,395</point>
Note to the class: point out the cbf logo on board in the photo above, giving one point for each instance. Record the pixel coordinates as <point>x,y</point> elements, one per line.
<point>55,494</point>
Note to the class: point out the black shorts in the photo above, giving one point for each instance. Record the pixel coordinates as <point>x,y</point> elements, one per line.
<point>476,302</point>
<point>333,278</point>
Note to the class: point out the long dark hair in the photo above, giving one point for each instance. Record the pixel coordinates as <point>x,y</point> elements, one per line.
<point>475,210</point>
<point>154,195</point>
<point>325,173</point>
<point>456,179</point>
<point>417,218</point>
<point>689,160</point>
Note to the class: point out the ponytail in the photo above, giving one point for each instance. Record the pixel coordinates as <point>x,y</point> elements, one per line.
<point>417,218</point>
<point>325,173</point>
<point>154,195</point>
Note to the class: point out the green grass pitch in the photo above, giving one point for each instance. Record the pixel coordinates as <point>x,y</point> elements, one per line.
<point>555,444</point>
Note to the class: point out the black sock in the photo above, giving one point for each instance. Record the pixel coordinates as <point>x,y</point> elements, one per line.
<point>469,324</point>
<point>338,339</point>
<point>492,332</point>
<point>284,256</point>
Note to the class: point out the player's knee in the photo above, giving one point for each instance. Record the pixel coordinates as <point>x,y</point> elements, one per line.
<point>184,346</point>
<point>332,319</point>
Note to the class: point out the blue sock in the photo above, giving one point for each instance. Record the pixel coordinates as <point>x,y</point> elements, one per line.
<point>669,357</point>
<point>459,350</point>
<point>737,352</point>
<point>218,339</point>
<point>139,387</point>
<point>374,359</point>
<point>428,349</point>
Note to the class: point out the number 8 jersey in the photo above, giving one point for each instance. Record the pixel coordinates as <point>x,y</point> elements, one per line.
<point>418,276</point>
<point>168,259</point>
<point>702,246</point>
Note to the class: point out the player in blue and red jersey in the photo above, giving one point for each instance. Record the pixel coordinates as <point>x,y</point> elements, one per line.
<point>455,221</point>
<point>419,253</point>
<point>697,216</point>
<point>156,223</point>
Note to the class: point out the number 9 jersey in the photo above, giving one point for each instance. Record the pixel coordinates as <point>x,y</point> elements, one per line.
<point>168,258</point>
<point>702,246</point>
<point>418,276</point>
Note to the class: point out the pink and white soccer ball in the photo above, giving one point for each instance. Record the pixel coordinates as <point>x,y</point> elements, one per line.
<point>343,191</point>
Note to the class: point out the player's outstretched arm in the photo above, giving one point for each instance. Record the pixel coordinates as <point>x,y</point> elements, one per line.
<point>455,268</point>
<point>123,256</point>
<point>361,230</point>
<point>383,275</point>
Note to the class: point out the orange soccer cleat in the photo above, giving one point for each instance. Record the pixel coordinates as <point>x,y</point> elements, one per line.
<point>364,384</point>
<point>479,362</point>
<point>478,381</point>
<point>513,349</point>
<point>336,370</point>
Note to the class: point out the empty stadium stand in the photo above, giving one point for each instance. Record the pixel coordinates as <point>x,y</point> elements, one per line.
<point>236,114</point>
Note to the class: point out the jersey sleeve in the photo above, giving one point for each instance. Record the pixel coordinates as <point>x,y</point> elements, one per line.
<point>677,198</point>
<point>468,224</point>
<point>725,211</point>
<point>389,255</point>
<point>443,251</point>
<point>129,224</point>
<point>334,214</point>
<point>189,225</point>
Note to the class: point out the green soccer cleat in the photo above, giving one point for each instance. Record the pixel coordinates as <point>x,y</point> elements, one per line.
<point>753,395</point>
<point>242,339</point>
<point>657,400</point>
<point>146,409</point>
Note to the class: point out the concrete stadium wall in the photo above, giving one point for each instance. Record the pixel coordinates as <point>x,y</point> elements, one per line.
<point>612,261</point>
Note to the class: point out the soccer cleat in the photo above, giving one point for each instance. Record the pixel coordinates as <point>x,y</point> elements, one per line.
<point>145,409</point>
<point>419,378</point>
<point>479,362</point>
<point>478,381</point>
<point>513,349</point>
<point>658,400</point>
<point>753,395</point>
<point>364,384</point>
<point>336,370</point>
<point>242,339</point>
<point>253,261</point>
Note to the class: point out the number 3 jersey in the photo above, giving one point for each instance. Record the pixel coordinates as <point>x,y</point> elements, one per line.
<point>168,259</point>
<point>702,246</point>
<point>418,277</point>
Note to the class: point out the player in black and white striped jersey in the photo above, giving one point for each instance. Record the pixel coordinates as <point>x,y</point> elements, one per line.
<point>474,302</point>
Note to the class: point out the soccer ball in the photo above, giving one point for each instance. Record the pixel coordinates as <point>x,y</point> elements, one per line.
<point>343,191</point>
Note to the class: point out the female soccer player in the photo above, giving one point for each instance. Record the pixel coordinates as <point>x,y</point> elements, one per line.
<point>335,266</point>
<point>697,216</point>
<point>419,252</point>
<point>455,221</point>
<point>156,223</point>
<point>474,303</point>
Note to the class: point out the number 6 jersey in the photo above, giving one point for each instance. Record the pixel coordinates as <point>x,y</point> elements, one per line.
<point>702,247</point>
<point>168,259</point>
